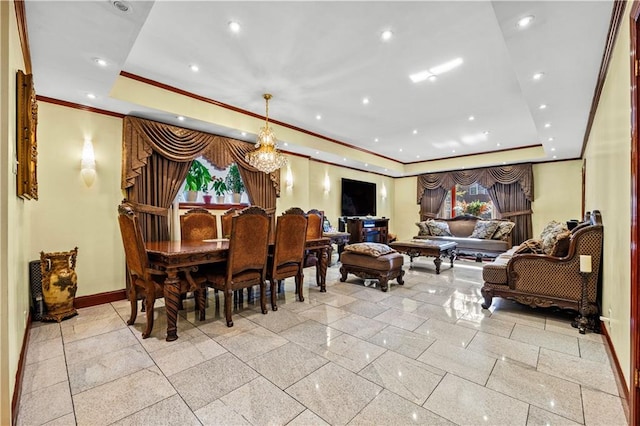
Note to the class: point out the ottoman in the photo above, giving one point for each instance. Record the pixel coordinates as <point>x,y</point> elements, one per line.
<point>384,267</point>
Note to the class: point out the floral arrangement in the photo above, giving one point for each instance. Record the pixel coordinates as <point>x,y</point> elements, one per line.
<point>475,208</point>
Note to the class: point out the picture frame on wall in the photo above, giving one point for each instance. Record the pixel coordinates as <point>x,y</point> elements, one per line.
<point>26,140</point>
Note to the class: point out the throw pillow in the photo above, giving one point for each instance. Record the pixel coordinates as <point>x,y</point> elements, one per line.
<point>438,229</point>
<point>484,229</point>
<point>370,249</point>
<point>503,231</point>
<point>561,247</point>
<point>530,246</point>
<point>550,234</point>
<point>424,229</point>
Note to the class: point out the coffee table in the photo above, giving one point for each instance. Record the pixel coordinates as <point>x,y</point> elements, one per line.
<point>428,248</point>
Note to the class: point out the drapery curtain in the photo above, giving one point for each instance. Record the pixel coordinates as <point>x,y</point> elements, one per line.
<point>155,161</point>
<point>431,202</point>
<point>512,202</point>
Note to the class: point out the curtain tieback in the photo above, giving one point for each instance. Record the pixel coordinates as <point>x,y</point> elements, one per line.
<point>149,209</point>
<point>517,213</point>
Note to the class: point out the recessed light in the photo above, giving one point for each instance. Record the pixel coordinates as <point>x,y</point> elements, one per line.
<point>286,144</point>
<point>486,133</point>
<point>538,75</point>
<point>365,101</point>
<point>100,62</point>
<point>234,26</point>
<point>547,125</point>
<point>550,139</point>
<point>318,117</point>
<point>91,96</point>
<point>418,156</point>
<point>344,159</point>
<point>555,156</point>
<point>194,68</point>
<point>243,133</point>
<point>471,118</point>
<point>432,72</point>
<point>498,144</point>
<point>553,149</point>
<point>180,118</point>
<point>376,140</point>
<point>542,106</point>
<point>122,6</point>
<point>525,21</point>
<point>386,35</point>
<point>400,149</point>
<point>415,131</point>
<point>366,164</point>
<point>453,150</point>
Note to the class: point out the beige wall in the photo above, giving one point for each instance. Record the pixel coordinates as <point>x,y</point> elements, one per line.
<point>608,189</point>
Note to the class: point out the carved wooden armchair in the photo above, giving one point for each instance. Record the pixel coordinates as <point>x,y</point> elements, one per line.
<point>225,220</point>
<point>315,219</point>
<point>198,224</point>
<point>144,280</point>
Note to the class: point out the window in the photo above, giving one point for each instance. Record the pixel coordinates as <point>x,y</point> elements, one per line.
<point>473,199</point>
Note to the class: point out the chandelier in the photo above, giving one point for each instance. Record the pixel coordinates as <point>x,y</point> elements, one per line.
<point>266,158</point>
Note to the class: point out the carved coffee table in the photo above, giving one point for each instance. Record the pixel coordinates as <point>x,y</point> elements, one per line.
<point>428,248</point>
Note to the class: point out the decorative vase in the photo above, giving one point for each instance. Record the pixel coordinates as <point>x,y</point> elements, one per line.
<point>236,198</point>
<point>220,199</point>
<point>192,196</point>
<point>59,284</point>
<point>207,198</point>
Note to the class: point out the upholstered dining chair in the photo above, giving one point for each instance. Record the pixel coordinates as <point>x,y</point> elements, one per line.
<point>198,224</point>
<point>315,220</point>
<point>288,253</point>
<point>225,220</point>
<point>247,258</point>
<point>144,280</point>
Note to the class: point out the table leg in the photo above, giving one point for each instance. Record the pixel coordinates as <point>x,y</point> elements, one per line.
<point>321,269</point>
<point>438,262</point>
<point>452,256</point>
<point>172,301</point>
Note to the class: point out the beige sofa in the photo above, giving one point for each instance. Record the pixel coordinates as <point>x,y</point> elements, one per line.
<point>461,228</point>
<point>545,280</point>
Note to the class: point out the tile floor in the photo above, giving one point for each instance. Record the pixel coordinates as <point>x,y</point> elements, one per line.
<point>422,353</point>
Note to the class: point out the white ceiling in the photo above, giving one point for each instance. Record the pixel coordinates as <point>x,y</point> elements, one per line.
<point>324,57</point>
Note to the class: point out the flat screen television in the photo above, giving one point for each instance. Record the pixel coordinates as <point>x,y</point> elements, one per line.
<point>358,198</point>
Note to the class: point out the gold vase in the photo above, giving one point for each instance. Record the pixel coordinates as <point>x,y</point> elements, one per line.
<point>59,284</point>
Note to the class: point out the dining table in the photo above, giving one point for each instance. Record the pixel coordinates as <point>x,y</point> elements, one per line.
<point>175,256</point>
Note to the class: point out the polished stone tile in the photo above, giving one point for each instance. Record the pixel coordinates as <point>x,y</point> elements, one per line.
<point>587,373</point>
<point>349,352</point>
<point>593,351</point>
<point>602,409</point>
<point>218,329</point>
<point>324,314</point>
<point>334,393</point>
<point>358,326</point>
<point>252,343</point>
<point>310,334</point>
<point>390,409</point>
<point>507,310</point>
<point>370,294</point>
<point>45,404</point>
<point>407,343</point>
<point>364,308</point>
<point>261,403</point>
<point>206,382</point>
<point>542,390</point>
<point>332,299</point>
<point>88,328</point>
<point>401,303</point>
<point>433,290</point>
<point>486,325</point>
<point>400,319</point>
<point>562,324</point>
<point>170,411</point>
<point>68,420</point>
<point>44,374</point>
<point>43,350</point>
<point>217,413</point>
<point>451,333</point>
<point>121,398</point>
<point>546,339</point>
<point>44,331</point>
<point>503,349</point>
<point>158,341</point>
<point>94,313</point>
<point>307,418</point>
<point>540,417</point>
<point>454,359</point>
<point>442,313</point>
<point>275,321</point>
<point>467,403</point>
<point>403,376</point>
<point>105,368</point>
<point>296,306</point>
<point>287,364</point>
<point>92,347</point>
<point>186,354</point>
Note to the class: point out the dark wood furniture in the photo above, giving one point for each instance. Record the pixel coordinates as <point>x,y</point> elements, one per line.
<point>174,256</point>
<point>288,253</point>
<point>368,230</point>
<point>340,239</point>
<point>430,248</point>
<point>225,220</point>
<point>383,268</point>
<point>198,224</point>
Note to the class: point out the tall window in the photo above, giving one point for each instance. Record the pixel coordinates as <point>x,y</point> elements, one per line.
<point>473,199</point>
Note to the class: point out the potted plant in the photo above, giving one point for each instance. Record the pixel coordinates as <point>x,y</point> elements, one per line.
<point>198,179</point>
<point>234,183</point>
<point>219,187</point>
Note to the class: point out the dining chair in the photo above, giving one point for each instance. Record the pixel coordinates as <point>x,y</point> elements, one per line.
<point>246,259</point>
<point>198,224</point>
<point>144,280</point>
<point>315,220</point>
<point>288,253</point>
<point>225,220</point>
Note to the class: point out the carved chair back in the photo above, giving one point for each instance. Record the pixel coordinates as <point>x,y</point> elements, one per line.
<point>248,246</point>
<point>226,221</point>
<point>288,254</point>
<point>134,248</point>
<point>198,224</point>
<point>316,220</point>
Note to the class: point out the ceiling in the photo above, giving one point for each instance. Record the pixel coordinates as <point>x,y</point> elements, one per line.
<point>322,58</point>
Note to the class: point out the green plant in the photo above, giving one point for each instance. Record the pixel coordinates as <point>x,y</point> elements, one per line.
<point>219,186</point>
<point>198,177</point>
<point>475,208</point>
<point>233,180</point>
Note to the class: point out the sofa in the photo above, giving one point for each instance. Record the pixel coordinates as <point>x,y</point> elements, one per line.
<point>546,272</point>
<point>475,236</point>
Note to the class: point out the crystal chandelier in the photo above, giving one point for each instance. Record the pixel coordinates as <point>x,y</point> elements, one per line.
<point>266,158</point>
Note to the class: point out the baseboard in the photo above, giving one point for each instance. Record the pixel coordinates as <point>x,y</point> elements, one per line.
<point>99,299</point>
<point>17,389</point>
<point>623,389</point>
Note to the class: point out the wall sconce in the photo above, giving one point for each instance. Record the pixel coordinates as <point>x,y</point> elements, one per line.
<point>383,192</point>
<point>289,178</point>
<point>327,183</point>
<point>88,164</point>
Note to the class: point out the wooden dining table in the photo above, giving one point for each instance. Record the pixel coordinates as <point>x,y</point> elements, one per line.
<point>175,256</point>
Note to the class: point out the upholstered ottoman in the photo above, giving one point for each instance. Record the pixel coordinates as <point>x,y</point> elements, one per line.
<point>372,261</point>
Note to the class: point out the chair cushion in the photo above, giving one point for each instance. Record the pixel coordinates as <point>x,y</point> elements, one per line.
<point>496,271</point>
<point>503,231</point>
<point>385,262</point>
<point>484,229</point>
<point>370,249</point>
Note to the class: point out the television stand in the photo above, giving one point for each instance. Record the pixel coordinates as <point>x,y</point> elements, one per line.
<point>368,230</point>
